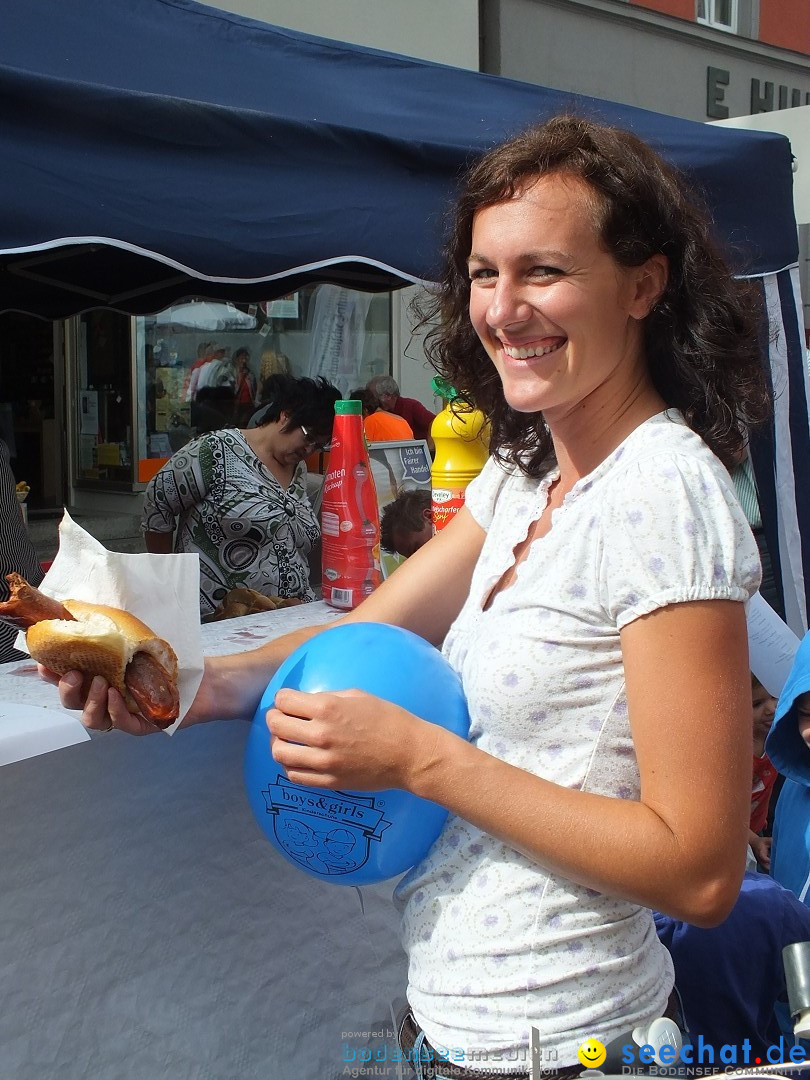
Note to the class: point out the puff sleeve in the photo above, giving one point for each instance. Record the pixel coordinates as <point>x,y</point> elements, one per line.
<point>673,531</point>
<point>183,482</point>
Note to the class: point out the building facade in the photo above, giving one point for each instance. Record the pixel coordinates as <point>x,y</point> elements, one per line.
<point>697,59</point>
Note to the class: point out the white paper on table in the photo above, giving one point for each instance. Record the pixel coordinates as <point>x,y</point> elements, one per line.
<point>28,730</point>
<point>772,645</point>
<point>161,590</point>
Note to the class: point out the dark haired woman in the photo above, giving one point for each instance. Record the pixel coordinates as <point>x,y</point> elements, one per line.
<point>238,497</point>
<point>590,594</point>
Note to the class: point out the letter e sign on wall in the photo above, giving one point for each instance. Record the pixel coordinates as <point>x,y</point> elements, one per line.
<point>716,80</point>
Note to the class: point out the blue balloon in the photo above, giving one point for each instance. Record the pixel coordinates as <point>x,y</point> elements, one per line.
<point>354,837</point>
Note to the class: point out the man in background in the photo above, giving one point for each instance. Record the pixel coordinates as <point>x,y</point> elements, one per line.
<point>17,554</point>
<point>379,425</point>
<point>386,391</point>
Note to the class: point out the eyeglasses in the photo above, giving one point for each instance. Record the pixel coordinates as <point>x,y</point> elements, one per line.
<point>317,442</point>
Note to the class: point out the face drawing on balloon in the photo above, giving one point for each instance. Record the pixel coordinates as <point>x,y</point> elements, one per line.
<point>338,842</point>
<point>336,849</point>
<point>299,838</point>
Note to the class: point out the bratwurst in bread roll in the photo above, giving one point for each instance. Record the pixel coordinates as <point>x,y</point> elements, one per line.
<point>77,636</point>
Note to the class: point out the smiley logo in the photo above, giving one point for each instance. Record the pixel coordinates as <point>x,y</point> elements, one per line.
<point>592,1054</point>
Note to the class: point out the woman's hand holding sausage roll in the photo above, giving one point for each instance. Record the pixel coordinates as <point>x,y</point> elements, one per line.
<point>83,642</point>
<point>231,688</point>
<point>102,706</point>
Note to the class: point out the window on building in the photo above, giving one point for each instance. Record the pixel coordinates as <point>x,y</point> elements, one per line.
<point>721,14</point>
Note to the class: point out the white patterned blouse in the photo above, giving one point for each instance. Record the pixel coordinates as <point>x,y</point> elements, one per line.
<point>496,943</point>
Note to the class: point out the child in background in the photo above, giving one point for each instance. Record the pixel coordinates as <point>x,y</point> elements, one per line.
<point>764,707</point>
<point>730,978</point>
<point>789,750</point>
<point>406,522</point>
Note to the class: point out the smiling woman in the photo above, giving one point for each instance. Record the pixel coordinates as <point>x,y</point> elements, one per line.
<point>700,338</point>
<point>589,594</point>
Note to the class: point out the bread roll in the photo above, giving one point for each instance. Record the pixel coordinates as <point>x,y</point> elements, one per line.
<point>103,641</point>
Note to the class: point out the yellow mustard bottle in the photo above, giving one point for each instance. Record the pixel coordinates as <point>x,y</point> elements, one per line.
<point>461,437</point>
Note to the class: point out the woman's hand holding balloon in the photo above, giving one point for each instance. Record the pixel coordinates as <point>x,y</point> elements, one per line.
<point>351,739</point>
<point>362,712</point>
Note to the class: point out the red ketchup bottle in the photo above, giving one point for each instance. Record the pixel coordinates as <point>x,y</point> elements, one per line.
<point>350,523</point>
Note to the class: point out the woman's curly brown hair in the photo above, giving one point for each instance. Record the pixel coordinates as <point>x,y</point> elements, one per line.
<point>702,339</point>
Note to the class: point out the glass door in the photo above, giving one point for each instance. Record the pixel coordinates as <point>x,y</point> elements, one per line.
<point>103,421</point>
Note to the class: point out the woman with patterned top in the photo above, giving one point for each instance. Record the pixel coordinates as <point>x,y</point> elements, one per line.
<point>591,596</point>
<point>237,497</point>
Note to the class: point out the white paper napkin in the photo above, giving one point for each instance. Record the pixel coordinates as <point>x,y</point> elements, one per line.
<point>161,590</point>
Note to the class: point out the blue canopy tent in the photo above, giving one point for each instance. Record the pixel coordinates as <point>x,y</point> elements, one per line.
<point>159,149</point>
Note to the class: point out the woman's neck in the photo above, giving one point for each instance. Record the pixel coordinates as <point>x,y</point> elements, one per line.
<point>262,442</point>
<point>591,432</point>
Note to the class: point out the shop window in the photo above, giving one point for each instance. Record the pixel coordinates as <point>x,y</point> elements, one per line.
<point>201,365</point>
<point>721,14</point>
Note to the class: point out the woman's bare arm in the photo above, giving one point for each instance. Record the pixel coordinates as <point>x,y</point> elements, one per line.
<point>424,596</point>
<point>160,543</point>
<point>679,848</point>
